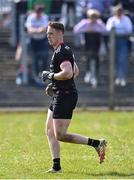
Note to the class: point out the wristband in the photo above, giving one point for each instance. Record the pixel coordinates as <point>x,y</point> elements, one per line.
<point>51,76</point>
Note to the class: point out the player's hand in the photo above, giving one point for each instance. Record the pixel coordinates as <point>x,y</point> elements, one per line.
<point>49,90</point>
<point>46,75</point>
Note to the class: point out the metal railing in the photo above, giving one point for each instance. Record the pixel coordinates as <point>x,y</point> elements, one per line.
<point>112,55</point>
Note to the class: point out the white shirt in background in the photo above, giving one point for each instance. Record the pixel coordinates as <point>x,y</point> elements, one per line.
<point>32,21</point>
<point>122,25</point>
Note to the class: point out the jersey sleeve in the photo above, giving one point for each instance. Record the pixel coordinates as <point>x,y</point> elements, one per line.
<point>65,55</point>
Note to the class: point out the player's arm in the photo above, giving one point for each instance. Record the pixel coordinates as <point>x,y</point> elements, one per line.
<point>76,70</point>
<point>66,71</point>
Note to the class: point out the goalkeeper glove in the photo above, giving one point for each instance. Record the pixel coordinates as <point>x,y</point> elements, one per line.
<point>49,90</point>
<point>47,75</point>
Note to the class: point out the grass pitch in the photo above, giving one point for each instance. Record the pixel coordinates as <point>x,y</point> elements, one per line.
<point>24,152</point>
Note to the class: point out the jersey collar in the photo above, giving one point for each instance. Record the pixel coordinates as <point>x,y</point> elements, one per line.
<point>59,45</point>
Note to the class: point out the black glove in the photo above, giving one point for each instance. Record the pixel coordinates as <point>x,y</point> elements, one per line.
<point>49,90</point>
<point>47,75</point>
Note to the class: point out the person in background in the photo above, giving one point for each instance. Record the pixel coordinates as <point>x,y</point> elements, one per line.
<point>68,13</point>
<point>123,26</point>
<point>20,9</point>
<point>92,27</point>
<point>36,25</point>
<point>47,3</point>
<point>103,6</point>
<point>55,12</point>
<point>18,56</point>
<point>128,7</point>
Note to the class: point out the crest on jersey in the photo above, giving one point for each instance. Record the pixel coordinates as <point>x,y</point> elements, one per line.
<point>67,47</point>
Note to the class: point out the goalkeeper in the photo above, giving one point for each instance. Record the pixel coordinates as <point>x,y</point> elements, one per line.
<point>63,70</point>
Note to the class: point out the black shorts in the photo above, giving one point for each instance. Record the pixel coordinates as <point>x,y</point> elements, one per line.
<point>63,104</point>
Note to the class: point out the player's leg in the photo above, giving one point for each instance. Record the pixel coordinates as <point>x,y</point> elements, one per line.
<point>64,108</point>
<point>53,143</point>
<point>60,130</point>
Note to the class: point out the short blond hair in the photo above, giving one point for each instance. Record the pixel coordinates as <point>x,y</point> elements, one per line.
<point>117,8</point>
<point>93,13</point>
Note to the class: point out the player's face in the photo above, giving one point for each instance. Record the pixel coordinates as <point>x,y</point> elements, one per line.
<point>53,36</point>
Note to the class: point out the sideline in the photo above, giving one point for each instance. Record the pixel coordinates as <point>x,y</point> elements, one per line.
<point>78,109</point>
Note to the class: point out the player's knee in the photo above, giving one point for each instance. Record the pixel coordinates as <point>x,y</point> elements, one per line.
<point>59,136</point>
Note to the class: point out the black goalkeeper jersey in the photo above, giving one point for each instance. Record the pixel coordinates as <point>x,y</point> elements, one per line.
<point>61,54</point>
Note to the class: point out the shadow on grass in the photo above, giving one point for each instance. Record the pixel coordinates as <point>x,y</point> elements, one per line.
<point>116,174</point>
<point>113,174</point>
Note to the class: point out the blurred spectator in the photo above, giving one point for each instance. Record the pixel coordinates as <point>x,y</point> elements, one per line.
<point>68,13</point>
<point>55,12</point>
<point>21,9</point>
<point>103,6</point>
<point>52,7</point>
<point>36,25</point>
<point>6,20</point>
<point>18,56</point>
<point>79,15</point>
<point>123,26</point>
<point>128,7</point>
<point>92,27</point>
<point>20,66</point>
<point>46,3</point>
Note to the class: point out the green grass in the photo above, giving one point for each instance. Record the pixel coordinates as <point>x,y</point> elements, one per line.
<point>24,152</point>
